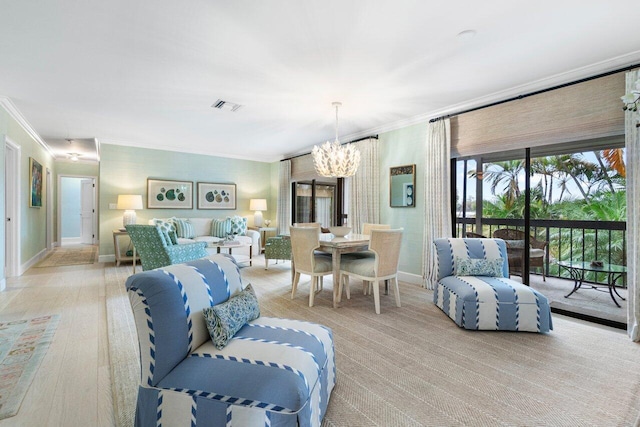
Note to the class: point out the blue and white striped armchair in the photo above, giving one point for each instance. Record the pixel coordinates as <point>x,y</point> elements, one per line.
<point>475,291</point>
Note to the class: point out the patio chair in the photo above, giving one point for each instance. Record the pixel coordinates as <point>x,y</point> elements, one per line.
<point>515,250</point>
<point>471,235</point>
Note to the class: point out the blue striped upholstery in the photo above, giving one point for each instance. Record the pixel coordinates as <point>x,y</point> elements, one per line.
<point>486,303</point>
<point>272,372</point>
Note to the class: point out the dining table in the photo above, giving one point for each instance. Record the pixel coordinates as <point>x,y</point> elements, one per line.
<point>337,246</point>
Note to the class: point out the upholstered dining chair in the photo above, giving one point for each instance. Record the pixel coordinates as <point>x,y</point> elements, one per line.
<point>367,227</point>
<point>304,242</point>
<point>156,249</point>
<point>385,244</point>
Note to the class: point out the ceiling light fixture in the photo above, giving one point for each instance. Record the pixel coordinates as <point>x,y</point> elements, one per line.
<point>74,157</point>
<point>467,34</point>
<point>334,160</point>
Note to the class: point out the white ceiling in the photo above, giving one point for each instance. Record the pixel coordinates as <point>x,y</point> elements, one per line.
<point>145,73</point>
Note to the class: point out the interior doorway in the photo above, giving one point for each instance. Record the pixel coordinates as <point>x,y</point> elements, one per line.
<point>12,208</point>
<point>77,218</point>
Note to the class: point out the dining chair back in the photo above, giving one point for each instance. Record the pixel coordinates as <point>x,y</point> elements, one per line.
<point>304,242</point>
<point>367,227</point>
<point>385,245</point>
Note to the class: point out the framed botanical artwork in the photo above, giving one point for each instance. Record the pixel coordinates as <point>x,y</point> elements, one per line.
<point>35,178</point>
<point>216,196</point>
<point>167,194</point>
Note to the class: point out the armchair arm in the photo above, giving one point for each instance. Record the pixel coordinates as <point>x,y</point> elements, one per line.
<point>186,252</point>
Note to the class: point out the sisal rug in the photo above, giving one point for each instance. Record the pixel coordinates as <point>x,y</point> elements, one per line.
<point>23,344</point>
<point>412,366</point>
<point>62,256</point>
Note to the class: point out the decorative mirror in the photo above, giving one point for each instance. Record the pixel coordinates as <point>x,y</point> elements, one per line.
<point>402,186</point>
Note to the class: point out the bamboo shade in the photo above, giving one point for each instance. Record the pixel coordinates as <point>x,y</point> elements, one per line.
<point>302,169</point>
<point>586,110</point>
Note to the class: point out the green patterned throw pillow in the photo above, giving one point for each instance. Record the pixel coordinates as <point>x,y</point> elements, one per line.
<point>479,267</point>
<point>168,231</point>
<point>220,227</point>
<point>238,225</point>
<point>184,228</point>
<point>224,320</point>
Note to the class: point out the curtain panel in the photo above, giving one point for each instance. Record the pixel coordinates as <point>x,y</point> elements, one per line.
<point>284,197</point>
<point>364,187</point>
<point>437,211</point>
<point>632,142</point>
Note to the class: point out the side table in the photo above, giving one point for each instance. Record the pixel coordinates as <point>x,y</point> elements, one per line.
<point>263,234</point>
<point>116,246</point>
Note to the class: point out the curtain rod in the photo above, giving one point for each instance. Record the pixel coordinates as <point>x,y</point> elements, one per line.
<point>537,92</point>
<point>349,142</point>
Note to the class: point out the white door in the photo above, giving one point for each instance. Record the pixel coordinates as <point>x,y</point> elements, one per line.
<point>86,211</point>
<point>12,213</point>
<point>49,188</point>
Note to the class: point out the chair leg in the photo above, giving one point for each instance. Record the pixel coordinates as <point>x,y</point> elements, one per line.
<point>294,285</point>
<point>397,291</point>
<point>312,291</point>
<point>376,295</point>
<point>266,263</point>
<point>365,287</point>
<point>346,278</point>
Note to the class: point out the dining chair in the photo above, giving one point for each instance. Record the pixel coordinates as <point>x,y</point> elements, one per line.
<point>385,244</point>
<point>304,242</point>
<point>367,227</point>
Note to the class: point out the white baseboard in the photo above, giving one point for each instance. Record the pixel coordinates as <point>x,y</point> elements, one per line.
<point>107,258</point>
<point>33,261</point>
<point>3,284</point>
<point>414,279</point>
<point>71,240</point>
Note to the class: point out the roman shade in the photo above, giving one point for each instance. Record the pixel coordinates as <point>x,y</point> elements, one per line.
<point>581,111</point>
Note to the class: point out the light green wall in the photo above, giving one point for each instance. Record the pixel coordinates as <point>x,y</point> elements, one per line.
<point>32,220</point>
<point>397,148</point>
<point>124,170</point>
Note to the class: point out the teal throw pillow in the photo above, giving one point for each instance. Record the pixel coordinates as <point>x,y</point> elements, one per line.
<point>220,227</point>
<point>168,231</point>
<point>238,225</point>
<point>479,267</point>
<point>184,228</point>
<point>225,319</point>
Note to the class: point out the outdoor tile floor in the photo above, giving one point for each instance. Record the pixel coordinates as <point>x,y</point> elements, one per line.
<point>586,300</point>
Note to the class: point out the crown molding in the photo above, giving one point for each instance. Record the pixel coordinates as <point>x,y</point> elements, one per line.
<point>16,115</point>
<point>591,70</point>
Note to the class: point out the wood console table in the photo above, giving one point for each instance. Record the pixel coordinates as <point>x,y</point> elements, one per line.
<point>116,246</point>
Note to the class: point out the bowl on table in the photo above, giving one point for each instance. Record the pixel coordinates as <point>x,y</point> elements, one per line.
<point>340,231</point>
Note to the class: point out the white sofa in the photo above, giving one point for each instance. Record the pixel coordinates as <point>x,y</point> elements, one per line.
<point>202,228</point>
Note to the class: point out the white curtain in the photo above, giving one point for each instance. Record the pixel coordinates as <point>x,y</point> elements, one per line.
<point>632,142</point>
<point>284,198</point>
<point>437,206</point>
<point>364,187</point>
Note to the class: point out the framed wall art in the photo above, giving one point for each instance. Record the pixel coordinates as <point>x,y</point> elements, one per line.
<point>402,185</point>
<point>167,194</point>
<point>216,196</point>
<point>35,178</point>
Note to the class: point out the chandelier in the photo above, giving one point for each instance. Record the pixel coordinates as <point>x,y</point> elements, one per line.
<point>334,160</point>
<point>632,99</point>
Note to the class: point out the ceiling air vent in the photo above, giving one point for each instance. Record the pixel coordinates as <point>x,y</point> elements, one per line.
<point>225,105</point>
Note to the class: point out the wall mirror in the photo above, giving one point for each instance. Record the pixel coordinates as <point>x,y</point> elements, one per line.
<point>402,185</point>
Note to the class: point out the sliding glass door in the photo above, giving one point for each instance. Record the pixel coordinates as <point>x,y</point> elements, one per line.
<point>315,202</point>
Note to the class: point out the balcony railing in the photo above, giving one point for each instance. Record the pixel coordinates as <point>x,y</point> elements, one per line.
<point>568,240</point>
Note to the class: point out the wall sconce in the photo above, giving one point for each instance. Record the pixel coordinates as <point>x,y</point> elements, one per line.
<point>129,202</point>
<point>257,205</point>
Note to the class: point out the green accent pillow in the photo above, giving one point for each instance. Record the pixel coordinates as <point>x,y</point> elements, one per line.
<point>184,228</point>
<point>220,227</point>
<point>479,267</point>
<point>168,231</point>
<point>238,225</point>
<point>225,319</point>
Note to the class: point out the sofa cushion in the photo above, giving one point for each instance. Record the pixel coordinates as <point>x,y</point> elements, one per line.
<point>220,227</point>
<point>238,225</point>
<point>224,320</point>
<point>184,228</point>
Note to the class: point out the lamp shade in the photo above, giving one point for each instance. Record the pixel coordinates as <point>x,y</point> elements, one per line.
<point>258,204</point>
<point>129,201</point>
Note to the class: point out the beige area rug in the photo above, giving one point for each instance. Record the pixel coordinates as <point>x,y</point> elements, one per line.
<point>412,366</point>
<point>62,256</point>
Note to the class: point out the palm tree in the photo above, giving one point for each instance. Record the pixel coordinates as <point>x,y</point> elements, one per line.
<point>506,174</point>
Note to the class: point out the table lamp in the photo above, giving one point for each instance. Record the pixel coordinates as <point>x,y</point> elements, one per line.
<point>129,202</point>
<point>257,205</point>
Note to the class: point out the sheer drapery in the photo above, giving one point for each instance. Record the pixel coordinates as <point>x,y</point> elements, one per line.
<point>437,199</point>
<point>284,197</point>
<point>364,187</point>
<point>632,142</point>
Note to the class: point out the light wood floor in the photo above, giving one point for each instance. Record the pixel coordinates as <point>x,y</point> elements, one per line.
<point>72,386</point>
